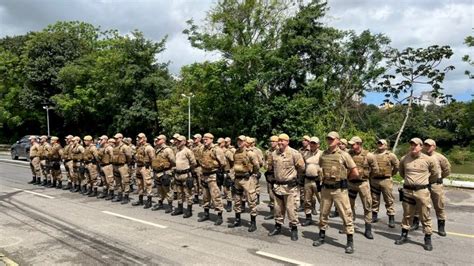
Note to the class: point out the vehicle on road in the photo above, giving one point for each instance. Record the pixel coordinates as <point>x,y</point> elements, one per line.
<point>21,148</point>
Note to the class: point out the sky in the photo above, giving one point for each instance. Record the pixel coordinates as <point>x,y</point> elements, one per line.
<point>414,23</point>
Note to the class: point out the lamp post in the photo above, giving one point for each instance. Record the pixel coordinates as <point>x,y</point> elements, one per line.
<point>47,108</point>
<point>189,112</point>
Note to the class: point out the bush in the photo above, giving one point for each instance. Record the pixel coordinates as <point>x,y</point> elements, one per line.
<point>458,155</point>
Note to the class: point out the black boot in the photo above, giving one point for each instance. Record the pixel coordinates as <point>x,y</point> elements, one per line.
<point>77,188</point>
<point>308,220</point>
<point>318,242</point>
<point>84,190</point>
<point>350,244</point>
<point>89,191</point>
<point>33,180</point>
<point>219,219</point>
<point>294,233</point>
<point>170,208</point>
<point>51,184</point>
<point>391,221</point>
<point>158,206</point>
<point>109,195</point>
<point>416,224</point>
<point>375,217</point>
<point>68,186</point>
<point>253,223</point>
<point>131,188</point>
<point>38,181</point>
<point>228,208</point>
<point>276,230</point>
<point>205,217</point>
<point>139,202</point>
<point>196,199</point>
<point>189,212</point>
<point>368,231</point>
<point>59,185</point>
<point>403,238</point>
<point>441,230</point>
<point>44,183</point>
<point>270,216</point>
<point>237,221</point>
<point>428,246</point>
<point>94,193</point>
<point>334,214</point>
<point>103,194</point>
<point>258,200</point>
<point>179,210</point>
<point>147,203</point>
<point>125,199</point>
<point>117,198</point>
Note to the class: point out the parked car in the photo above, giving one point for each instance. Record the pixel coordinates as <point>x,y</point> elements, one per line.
<point>21,148</point>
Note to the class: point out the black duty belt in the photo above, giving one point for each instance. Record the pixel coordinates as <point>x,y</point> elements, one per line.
<point>76,161</point>
<point>438,181</point>
<point>32,157</point>
<point>415,187</point>
<point>161,171</point>
<point>291,182</point>
<point>337,185</point>
<point>185,171</point>
<point>67,160</point>
<point>357,181</point>
<point>104,164</point>
<point>242,176</point>
<point>87,162</point>
<point>311,177</point>
<point>209,173</point>
<point>118,164</point>
<point>381,177</point>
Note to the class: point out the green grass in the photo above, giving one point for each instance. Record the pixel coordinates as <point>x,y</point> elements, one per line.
<point>466,168</point>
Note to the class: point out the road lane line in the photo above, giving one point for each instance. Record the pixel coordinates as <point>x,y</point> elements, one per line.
<point>459,234</point>
<point>34,193</point>
<point>7,260</point>
<point>277,257</point>
<point>135,220</point>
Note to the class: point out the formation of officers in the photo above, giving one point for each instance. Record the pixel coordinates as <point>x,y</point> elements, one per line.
<point>296,179</point>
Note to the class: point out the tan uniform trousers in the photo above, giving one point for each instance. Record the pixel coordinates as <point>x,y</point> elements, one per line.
<point>438,199</point>
<point>285,197</point>
<point>245,186</point>
<point>122,179</point>
<point>198,181</point>
<point>412,199</point>
<point>69,165</point>
<point>109,176</point>
<point>144,180</point>
<point>78,177</point>
<point>363,189</point>
<point>35,166</point>
<point>271,195</point>
<point>340,198</point>
<point>56,173</point>
<point>185,193</point>
<point>44,170</point>
<point>211,192</point>
<point>91,175</point>
<point>310,193</point>
<point>164,192</point>
<point>384,187</point>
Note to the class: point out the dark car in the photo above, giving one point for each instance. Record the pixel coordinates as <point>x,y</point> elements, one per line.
<point>21,148</point>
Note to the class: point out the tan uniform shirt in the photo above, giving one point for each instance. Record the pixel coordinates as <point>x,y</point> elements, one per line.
<point>312,163</point>
<point>392,158</point>
<point>260,157</point>
<point>105,154</point>
<point>287,165</point>
<point>443,164</point>
<point>77,150</point>
<point>185,159</point>
<point>56,152</point>
<point>213,158</point>
<point>229,155</point>
<point>45,149</point>
<point>245,161</point>
<point>90,153</point>
<point>418,170</point>
<point>67,152</point>
<point>339,170</point>
<point>365,165</point>
<point>144,154</point>
<point>166,152</point>
<point>269,160</point>
<point>35,150</point>
<point>197,150</point>
<point>304,151</point>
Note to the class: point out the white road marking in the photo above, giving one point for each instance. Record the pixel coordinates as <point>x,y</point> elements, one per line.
<point>34,193</point>
<point>277,257</point>
<point>135,220</point>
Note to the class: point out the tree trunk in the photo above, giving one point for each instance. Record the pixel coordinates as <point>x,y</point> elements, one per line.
<point>407,114</point>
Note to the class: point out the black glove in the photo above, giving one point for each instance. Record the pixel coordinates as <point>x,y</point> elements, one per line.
<point>166,180</point>
<point>190,182</point>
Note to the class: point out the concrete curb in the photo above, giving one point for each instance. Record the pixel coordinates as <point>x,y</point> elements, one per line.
<point>24,163</point>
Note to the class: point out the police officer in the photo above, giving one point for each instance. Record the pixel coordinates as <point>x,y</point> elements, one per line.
<point>343,144</point>
<point>304,151</point>
<point>312,183</point>
<point>68,163</point>
<point>246,164</point>
<point>144,156</point>
<point>256,178</point>
<point>106,152</point>
<point>45,168</point>
<point>227,181</point>
<point>288,165</point>
<point>417,169</point>
<point>55,162</point>
<point>90,158</point>
<point>131,165</point>
<point>185,164</point>
<point>381,182</point>
<point>336,166</point>
<point>122,156</point>
<point>269,175</point>
<point>197,149</point>
<point>163,166</point>
<point>366,164</point>
<point>35,164</point>
<point>78,168</point>
<point>213,160</point>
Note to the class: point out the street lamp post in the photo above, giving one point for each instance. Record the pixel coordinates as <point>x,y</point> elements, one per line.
<point>189,112</point>
<point>47,108</point>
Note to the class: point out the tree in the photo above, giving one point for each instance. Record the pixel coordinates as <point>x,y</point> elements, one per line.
<point>469,41</point>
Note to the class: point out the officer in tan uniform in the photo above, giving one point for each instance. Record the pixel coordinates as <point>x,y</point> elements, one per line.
<point>304,151</point>
<point>343,144</point>
<point>261,161</point>
<point>312,181</point>
<point>269,176</point>
<point>106,152</point>
<point>417,169</point>
<point>366,164</point>
<point>90,160</point>
<point>55,162</point>
<point>144,156</point>
<point>185,164</point>
<point>228,144</point>
<point>381,182</point>
<point>78,168</point>
<point>246,164</point>
<point>45,149</point>
<point>213,160</point>
<point>197,149</point>
<point>227,181</point>
<point>336,166</point>
<point>131,165</point>
<point>163,166</point>
<point>35,164</point>
<point>68,163</point>
<point>122,156</point>
<point>288,165</point>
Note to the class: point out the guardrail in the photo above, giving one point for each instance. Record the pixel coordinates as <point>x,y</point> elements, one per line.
<point>5,147</point>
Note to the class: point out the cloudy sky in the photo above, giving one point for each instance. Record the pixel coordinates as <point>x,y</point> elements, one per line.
<point>407,22</point>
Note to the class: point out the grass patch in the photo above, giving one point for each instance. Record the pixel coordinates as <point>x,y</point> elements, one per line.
<point>465,168</point>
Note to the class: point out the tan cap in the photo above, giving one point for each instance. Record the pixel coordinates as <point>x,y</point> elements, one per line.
<point>314,139</point>
<point>127,140</point>
<point>430,142</point>
<point>87,137</point>
<point>32,137</point>
<point>104,137</point>
<point>76,138</point>
<point>111,140</point>
<point>118,135</point>
<point>209,136</point>
<point>227,139</point>
<point>197,136</point>
<point>306,137</point>
<point>54,138</point>
<point>220,140</point>
<point>416,141</point>
<point>252,140</point>
<point>274,138</point>
<point>384,142</point>
<point>283,137</point>
<point>176,135</point>
<point>69,136</point>
<point>248,140</point>
<point>190,141</point>
<point>181,138</point>
<point>242,137</point>
<point>355,139</point>
<point>344,141</point>
<point>333,135</point>
<point>141,135</point>
<point>163,137</point>
<point>44,137</point>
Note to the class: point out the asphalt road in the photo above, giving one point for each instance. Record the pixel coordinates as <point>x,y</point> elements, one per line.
<point>40,226</point>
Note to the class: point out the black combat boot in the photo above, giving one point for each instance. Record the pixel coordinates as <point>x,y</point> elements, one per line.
<point>170,208</point>
<point>103,194</point>
<point>258,199</point>
<point>441,230</point>
<point>350,244</point>
<point>196,199</point>
<point>51,184</point>
<point>228,208</point>
<point>72,188</point>
<point>294,232</point>
<point>253,223</point>
<point>270,216</point>
<point>158,206</point>
<point>77,188</point>
<point>59,185</point>
<point>375,217</point>
<point>308,220</point>
<point>428,246</point>
<point>84,190</point>
<point>334,214</point>
<point>237,221</point>
<point>368,231</point>
<point>403,238</point>
<point>125,199</point>
<point>89,191</point>
<point>391,221</point>
<point>94,193</point>
<point>110,195</point>
<point>322,235</point>
<point>205,217</point>
<point>416,224</point>
<point>276,230</point>
<point>131,188</point>
<point>38,180</point>
<point>189,212</point>
<point>33,180</point>
<point>68,186</point>
<point>147,203</point>
<point>219,219</point>
<point>117,198</point>
<point>44,183</point>
<point>139,202</point>
<point>178,210</point>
